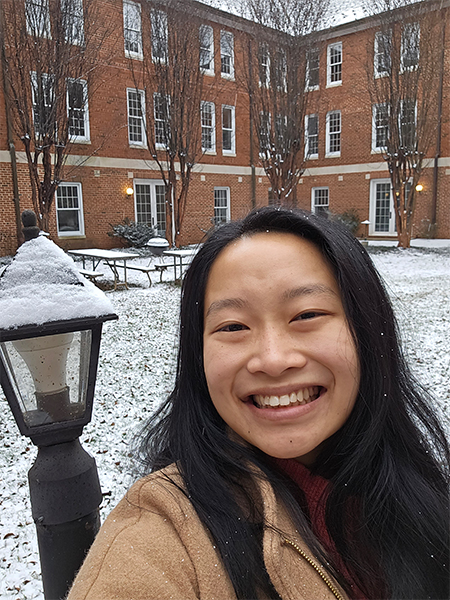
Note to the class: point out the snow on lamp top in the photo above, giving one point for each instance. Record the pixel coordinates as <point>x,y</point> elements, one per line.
<point>42,284</point>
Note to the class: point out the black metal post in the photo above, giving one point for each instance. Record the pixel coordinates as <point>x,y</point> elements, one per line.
<point>65,495</point>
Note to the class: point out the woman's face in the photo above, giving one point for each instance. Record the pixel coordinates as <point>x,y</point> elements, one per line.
<point>280,361</point>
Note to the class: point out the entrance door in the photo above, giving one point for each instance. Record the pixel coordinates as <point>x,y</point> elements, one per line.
<point>382,217</point>
<point>150,204</point>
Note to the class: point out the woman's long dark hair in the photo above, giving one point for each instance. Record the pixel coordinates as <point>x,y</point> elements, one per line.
<point>391,455</point>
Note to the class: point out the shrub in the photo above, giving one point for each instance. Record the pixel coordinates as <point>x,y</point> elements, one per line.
<point>135,234</point>
<point>349,218</point>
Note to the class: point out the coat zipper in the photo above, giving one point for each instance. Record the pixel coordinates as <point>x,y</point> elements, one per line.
<point>320,571</point>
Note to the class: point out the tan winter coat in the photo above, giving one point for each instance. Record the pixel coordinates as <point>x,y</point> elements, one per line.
<point>154,547</point>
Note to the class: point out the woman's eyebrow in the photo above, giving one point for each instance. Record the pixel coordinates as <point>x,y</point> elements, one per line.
<point>226,303</point>
<point>309,290</point>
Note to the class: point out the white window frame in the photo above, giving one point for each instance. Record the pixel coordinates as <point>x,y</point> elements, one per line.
<point>264,65</point>
<point>85,108</point>
<point>80,231</point>
<point>328,152</point>
<point>37,14</point>
<point>372,209</point>
<point>143,142</point>
<point>314,206</point>
<point>385,35</point>
<point>400,118</point>
<point>206,42</point>
<point>330,48</point>
<point>232,151</point>
<point>132,10</point>
<point>316,52</point>
<point>405,46</point>
<point>227,208</point>
<point>152,183</point>
<point>281,70</point>
<point>74,21</point>
<point>208,127</point>
<point>227,50</point>
<point>160,145</point>
<point>45,77</point>
<point>313,155</point>
<point>159,33</point>
<point>375,108</point>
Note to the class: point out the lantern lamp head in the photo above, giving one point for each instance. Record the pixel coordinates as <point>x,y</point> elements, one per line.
<point>129,191</point>
<point>419,187</point>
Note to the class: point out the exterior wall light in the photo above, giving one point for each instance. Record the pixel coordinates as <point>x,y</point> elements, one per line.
<point>50,328</point>
<point>419,187</point>
<point>129,191</point>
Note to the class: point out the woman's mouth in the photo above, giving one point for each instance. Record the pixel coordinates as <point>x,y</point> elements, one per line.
<point>303,396</point>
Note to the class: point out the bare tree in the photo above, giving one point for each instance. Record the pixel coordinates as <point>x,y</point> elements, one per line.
<point>281,75</point>
<point>50,61</point>
<point>405,69</point>
<point>177,49</point>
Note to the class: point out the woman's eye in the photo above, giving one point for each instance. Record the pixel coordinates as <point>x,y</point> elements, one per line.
<point>233,327</point>
<point>307,315</point>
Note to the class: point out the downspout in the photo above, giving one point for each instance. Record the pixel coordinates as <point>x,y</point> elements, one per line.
<point>10,136</point>
<point>252,161</point>
<point>438,136</point>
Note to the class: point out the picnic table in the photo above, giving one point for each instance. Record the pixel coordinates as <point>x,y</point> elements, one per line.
<point>113,258</point>
<point>178,256</point>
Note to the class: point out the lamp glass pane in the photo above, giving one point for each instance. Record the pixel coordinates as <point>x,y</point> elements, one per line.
<point>49,375</point>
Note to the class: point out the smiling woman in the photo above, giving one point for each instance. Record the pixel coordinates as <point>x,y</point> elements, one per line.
<point>296,456</point>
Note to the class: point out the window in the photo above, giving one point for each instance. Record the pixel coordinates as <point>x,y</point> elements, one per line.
<point>380,127</point>
<point>281,71</point>
<point>69,210</point>
<point>206,38</point>
<point>410,47</point>
<point>160,44</point>
<point>228,130</point>
<point>382,53</point>
<point>320,201</point>
<point>227,54</point>
<point>408,124</point>
<point>77,110</point>
<point>132,29</point>
<point>312,136</point>
<point>43,97</point>
<point>264,66</point>
<point>161,105</point>
<point>38,18</point>
<point>312,69</point>
<point>334,64</point>
<point>150,204</point>
<point>221,205</point>
<point>208,120</point>
<point>333,133</point>
<point>264,135</point>
<point>281,133</point>
<point>136,118</point>
<point>73,21</point>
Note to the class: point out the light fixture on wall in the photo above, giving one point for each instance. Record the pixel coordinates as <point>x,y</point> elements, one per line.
<point>129,191</point>
<point>419,187</point>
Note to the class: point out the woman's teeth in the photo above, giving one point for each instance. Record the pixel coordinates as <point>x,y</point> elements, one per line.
<point>303,396</point>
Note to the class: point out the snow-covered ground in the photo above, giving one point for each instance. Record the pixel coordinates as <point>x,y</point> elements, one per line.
<point>136,370</point>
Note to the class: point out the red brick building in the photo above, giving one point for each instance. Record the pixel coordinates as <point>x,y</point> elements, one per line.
<point>345,169</point>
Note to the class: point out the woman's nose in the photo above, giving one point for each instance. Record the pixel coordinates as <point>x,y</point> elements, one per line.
<point>274,352</point>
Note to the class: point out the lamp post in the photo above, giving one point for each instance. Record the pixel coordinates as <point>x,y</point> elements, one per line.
<point>50,328</point>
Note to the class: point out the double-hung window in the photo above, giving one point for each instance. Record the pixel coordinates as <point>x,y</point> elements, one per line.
<point>160,36</point>
<point>334,64</point>
<point>77,110</point>
<point>408,115</point>
<point>228,130</point>
<point>37,15</point>
<point>410,47</point>
<point>206,40</point>
<point>320,201</point>
<point>132,29</point>
<point>264,65</point>
<point>161,107</point>
<point>208,120</point>
<point>227,54</point>
<point>333,133</point>
<point>265,120</point>
<point>221,205</point>
<point>136,117</point>
<point>312,136</point>
<point>43,99</point>
<point>281,71</point>
<point>69,210</point>
<point>382,53</point>
<point>73,21</point>
<point>312,69</point>
<point>380,127</point>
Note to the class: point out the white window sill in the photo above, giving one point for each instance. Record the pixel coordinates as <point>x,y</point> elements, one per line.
<point>314,88</point>
<point>209,152</point>
<point>76,140</point>
<point>134,55</point>
<point>72,236</point>
<point>383,234</point>
<point>377,151</point>
<point>208,72</point>
<point>312,157</point>
<point>227,76</point>
<point>333,155</point>
<point>228,153</point>
<point>380,75</point>
<point>137,145</point>
<point>334,84</point>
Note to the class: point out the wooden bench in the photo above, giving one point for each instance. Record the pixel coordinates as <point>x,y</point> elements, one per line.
<point>91,275</point>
